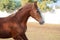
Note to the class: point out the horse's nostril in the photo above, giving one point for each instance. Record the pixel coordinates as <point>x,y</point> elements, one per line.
<point>41,22</point>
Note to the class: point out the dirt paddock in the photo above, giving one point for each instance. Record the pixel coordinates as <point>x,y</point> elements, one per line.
<point>35,31</point>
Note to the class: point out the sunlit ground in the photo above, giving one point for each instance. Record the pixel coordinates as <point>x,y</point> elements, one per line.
<point>35,31</point>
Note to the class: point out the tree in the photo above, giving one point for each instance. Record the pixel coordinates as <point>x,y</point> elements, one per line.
<point>43,4</point>
<point>9,5</point>
<point>31,1</point>
<point>23,2</point>
<point>54,1</point>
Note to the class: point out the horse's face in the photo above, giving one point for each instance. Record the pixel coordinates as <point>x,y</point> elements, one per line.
<point>35,13</point>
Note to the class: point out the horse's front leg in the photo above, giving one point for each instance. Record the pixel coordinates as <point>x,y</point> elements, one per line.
<point>24,37</point>
<point>16,33</point>
<point>18,37</point>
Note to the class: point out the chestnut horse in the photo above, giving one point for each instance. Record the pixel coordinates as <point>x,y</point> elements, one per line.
<point>15,26</point>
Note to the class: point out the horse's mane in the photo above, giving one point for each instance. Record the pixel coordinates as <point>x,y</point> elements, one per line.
<point>19,9</point>
<point>14,13</point>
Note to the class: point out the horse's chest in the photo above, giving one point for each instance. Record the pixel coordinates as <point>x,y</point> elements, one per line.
<point>23,28</point>
<point>4,34</point>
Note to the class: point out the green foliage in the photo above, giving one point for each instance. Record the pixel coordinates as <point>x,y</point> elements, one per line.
<point>9,5</point>
<point>43,5</point>
<point>54,1</point>
<point>31,1</point>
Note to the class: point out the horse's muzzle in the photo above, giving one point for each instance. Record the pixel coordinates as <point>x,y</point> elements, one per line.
<point>41,22</point>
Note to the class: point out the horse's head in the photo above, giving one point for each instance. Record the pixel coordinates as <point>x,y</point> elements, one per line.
<point>35,13</point>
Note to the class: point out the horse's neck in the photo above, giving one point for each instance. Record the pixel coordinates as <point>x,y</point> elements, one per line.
<point>22,15</point>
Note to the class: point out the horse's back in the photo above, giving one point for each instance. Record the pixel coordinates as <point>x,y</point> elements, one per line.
<point>3,19</point>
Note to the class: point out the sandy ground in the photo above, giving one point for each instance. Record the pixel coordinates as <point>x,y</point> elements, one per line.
<point>35,31</point>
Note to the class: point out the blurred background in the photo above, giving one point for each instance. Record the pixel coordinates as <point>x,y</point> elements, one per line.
<point>50,10</point>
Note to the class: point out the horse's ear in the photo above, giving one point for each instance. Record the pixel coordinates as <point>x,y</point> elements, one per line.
<point>35,3</point>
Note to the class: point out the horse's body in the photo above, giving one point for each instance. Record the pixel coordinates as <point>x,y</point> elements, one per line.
<point>15,26</point>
